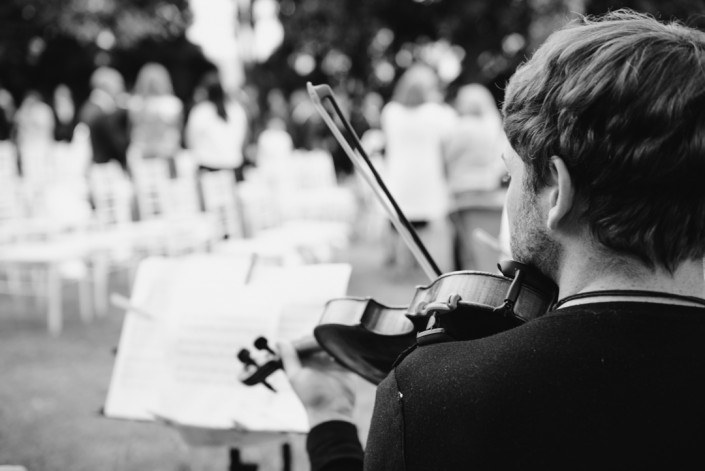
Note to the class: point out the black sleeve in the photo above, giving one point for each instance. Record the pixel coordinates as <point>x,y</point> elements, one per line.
<point>334,445</point>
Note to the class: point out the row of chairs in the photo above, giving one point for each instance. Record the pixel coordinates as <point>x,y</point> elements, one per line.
<point>90,225</point>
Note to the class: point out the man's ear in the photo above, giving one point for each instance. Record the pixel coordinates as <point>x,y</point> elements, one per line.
<point>561,194</point>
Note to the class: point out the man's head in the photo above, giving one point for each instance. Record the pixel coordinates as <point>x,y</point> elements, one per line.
<point>618,106</point>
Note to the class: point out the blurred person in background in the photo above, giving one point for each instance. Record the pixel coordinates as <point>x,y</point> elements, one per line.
<point>216,129</point>
<point>474,168</point>
<point>7,114</point>
<point>416,124</point>
<point>155,116</point>
<point>274,143</point>
<point>372,138</point>
<point>277,105</point>
<point>305,125</point>
<point>105,115</point>
<point>65,116</point>
<point>249,98</point>
<point>34,120</point>
<point>34,132</point>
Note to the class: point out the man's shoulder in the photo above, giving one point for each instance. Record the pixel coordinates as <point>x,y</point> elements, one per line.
<point>438,362</point>
<point>578,332</point>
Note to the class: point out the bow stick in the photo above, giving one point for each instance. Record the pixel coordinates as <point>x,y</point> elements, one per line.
<point>363,165</point>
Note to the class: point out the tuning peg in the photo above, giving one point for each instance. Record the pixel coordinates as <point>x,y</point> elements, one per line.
<point>245,357</point>
<point>262,344</point>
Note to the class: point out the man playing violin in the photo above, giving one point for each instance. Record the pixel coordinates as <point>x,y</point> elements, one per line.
<point>606,125</point>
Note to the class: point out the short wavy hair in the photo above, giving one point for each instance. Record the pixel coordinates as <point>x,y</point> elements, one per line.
<point>621,99</point>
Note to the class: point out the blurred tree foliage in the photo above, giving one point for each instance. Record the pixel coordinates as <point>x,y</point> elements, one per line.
<point>362,44</point>
<point>369,36</point>
<point>46,42</point>
<point>374,39</point>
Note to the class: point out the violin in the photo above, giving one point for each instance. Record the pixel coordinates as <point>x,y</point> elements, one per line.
<point>348,330</point>
<point>368,337</point>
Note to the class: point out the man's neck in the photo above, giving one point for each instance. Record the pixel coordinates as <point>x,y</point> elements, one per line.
<point>586,271</point>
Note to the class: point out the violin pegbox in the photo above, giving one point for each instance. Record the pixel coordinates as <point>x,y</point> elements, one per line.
<point>257,371</point>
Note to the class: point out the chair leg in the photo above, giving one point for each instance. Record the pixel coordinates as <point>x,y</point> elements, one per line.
<point>99,272</point>
<point>54,315</point>
<point>14,285</point>
<point>84,299</point>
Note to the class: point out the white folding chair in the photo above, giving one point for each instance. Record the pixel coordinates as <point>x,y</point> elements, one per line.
<point>151,180</point>
<point>220,200</point>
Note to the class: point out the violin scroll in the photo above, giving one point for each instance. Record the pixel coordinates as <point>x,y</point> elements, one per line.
<point>257,372</point>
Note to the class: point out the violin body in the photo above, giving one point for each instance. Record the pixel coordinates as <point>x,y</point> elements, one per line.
<point>364,336</point>
<point>368,337</point>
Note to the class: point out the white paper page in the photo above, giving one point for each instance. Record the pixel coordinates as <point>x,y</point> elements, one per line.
<point>133,390</point>
<point>305,290</point>
<point>187,359</point>
<point>140,364</point>
<point>203,387</point>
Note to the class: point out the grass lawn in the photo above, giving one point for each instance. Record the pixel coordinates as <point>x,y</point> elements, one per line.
<point>53,388</point>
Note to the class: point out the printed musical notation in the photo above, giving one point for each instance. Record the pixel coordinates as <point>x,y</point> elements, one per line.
<point>179,363</point>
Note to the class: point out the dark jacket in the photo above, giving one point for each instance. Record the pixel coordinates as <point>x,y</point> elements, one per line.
<point>109,133</point>
<point>599,386</point>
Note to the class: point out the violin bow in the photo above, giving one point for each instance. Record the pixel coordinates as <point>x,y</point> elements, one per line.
<point>364,166</point>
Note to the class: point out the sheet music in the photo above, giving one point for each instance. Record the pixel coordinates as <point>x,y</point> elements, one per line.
<point>140,363</point>
<point>202,387</point>
<point>187,358</point>
<point>306,289</point>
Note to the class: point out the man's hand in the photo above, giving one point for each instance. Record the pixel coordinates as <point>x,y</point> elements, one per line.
<point>324,387</point>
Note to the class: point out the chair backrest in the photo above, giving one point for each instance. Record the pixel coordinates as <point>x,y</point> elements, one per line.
<point>8,160</point>
<point>313,169</point>
<point>182,198</point>
<point>72,159</point>
<point>38,165</point>
<point>186,165</point>
<point>13,205</point>
<point>112,194</point>
<point>152,182</point>
<point>220,200</point>
<point>303,170</point>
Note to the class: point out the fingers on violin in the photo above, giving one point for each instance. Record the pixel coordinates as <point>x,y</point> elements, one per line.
<point>289,357</point>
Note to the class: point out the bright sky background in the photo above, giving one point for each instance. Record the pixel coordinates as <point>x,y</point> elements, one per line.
<point>213,28</point>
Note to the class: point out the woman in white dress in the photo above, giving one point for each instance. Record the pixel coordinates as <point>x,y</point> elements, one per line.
<point>216,129</point>
<point>155,116</point>
<point>416,124</point>
<point>475,171</point>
